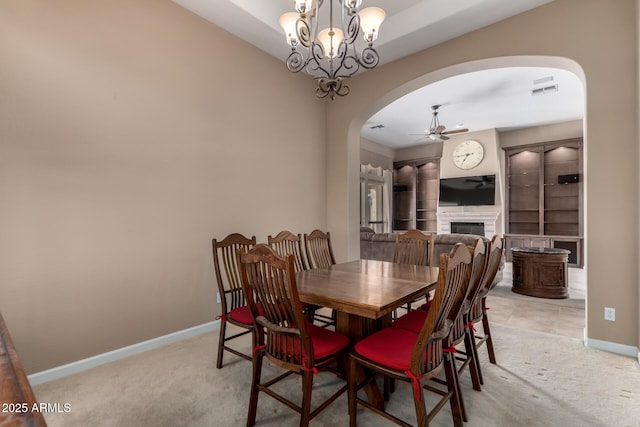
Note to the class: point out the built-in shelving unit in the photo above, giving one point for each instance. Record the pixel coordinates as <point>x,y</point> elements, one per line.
<point>544,197</point>
<point>415,194</point>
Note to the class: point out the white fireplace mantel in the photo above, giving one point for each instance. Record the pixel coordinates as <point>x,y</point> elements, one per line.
<point>487,218</point>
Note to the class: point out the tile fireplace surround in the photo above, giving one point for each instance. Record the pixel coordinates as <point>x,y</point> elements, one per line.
<point>487,218</point>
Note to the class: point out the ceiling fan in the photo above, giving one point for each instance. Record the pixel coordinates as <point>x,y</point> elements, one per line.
<point>436,131</point>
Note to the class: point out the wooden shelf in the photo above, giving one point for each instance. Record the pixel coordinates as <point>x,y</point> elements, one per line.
<point>421,176</point>
<point>537,206</point>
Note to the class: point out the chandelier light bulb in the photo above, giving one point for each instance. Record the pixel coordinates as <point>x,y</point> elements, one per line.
<point>330,39</point>
<point>370,20</point>
<point>288,23</point>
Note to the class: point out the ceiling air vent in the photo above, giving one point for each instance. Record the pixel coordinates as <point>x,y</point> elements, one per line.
<point>544,90</point>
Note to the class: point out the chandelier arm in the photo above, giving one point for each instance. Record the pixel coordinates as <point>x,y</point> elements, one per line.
<point>303,32</point>
<point>314,62</point>
<point>349,65</point>
<point>352,28</point>
<point>369,58</point>
<point>295,61</point>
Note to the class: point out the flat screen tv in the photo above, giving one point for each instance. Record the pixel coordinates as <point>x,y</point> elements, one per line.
<point>468,191</point>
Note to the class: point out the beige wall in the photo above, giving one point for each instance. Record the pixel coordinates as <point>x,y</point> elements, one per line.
<point>584,36</point>
<point>555,132</point>
<point>372,153</point>
<point>131,133</point>
<point>432,149</point>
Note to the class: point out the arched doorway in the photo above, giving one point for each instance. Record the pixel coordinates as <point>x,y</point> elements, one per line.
<point>475,66</point>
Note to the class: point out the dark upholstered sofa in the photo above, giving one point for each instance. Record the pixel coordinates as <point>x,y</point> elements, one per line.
<point>380,246</point>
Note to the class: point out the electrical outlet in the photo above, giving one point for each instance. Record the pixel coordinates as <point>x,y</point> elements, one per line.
<point>218,297</point>
<point>610,314</point>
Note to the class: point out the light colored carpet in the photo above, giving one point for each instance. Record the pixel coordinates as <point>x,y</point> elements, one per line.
<point>540,380</point>
<point>504,290</point>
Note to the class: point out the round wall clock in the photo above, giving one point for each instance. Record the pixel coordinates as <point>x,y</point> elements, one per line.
<point>468,154</point>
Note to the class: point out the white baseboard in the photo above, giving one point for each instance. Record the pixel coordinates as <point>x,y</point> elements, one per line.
<point>121,353</point>
<point>612,347</point>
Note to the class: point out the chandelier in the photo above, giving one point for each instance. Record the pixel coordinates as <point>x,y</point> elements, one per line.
<point>330,55</point>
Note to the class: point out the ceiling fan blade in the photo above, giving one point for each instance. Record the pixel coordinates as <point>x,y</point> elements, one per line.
<point>443,138</point>
<point>418,134</point>
<point>449,132</point>
<point>439,129</point>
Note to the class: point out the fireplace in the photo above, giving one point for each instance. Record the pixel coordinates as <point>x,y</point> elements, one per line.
<point>476,228</point>
<point>487,219</point>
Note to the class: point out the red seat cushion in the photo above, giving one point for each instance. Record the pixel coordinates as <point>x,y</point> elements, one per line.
<point>412,321</point>
<point>390,347</point>
<point>243,315</point>
<point>326,342</point>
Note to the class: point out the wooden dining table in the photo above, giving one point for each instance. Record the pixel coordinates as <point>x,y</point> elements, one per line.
<point>364,294</point>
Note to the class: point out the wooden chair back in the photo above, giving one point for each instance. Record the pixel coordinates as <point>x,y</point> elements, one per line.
<point>495,261</point>
<point>286,243</point>
<point>225,262</point>
<point>479,250</point>
<point>451,289</point>
<point>493,265</point>
<point>414,247</point>
<point>270,279</point>
<point>318,248</point>
<point>479,263</point>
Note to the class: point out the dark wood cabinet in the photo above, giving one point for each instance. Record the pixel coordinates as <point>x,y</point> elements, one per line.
<point>415,194</point>
<point>544,197</point>
<point>540,272</point>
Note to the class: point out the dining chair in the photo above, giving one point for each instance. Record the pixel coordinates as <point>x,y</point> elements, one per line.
<point>286,243</point>
<point>413,247</point>
<point>462,327</point>
<point>282,334</point>
<point>417,357</point>
<point>318,249</point>
<point>479,310</point>
<point>232,300</point>
<point>320,255</point>
<point>413,320</point>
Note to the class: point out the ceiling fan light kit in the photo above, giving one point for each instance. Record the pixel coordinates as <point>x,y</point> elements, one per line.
<point>436,131</point>
<point>330,55</point>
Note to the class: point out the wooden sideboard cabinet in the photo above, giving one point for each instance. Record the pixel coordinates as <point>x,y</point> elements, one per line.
<point>572,244</point>
<point>540,272</point>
